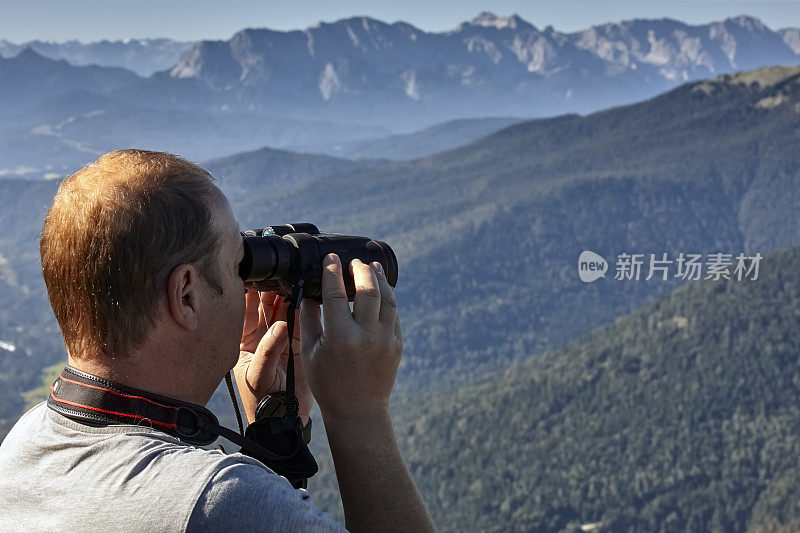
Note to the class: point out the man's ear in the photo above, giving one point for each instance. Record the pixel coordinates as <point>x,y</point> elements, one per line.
<point>183,296</point>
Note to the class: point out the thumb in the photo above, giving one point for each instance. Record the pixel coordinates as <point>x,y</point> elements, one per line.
<point>310,326</point>
<point>262,373</point>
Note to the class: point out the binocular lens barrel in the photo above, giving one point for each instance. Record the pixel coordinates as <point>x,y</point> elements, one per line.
<point>276,258</point>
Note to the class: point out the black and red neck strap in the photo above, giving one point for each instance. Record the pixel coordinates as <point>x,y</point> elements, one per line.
<point>278,442</point>
<point>92,399</point>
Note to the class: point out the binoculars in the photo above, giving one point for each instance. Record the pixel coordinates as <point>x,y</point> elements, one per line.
<point>276,258</point>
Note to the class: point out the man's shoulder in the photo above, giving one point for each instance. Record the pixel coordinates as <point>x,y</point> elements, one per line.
<point>43,436</point>
<point>241,496</point>
<point>132,466</point>
<point>44,428</point>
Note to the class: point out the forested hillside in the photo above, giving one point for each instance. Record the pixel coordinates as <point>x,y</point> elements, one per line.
<point>432,140</point>
<point>488,235</point>
<point>26,319</point>
<point>683,416</point>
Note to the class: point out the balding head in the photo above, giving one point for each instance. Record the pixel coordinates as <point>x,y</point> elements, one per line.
<point>115,231</point>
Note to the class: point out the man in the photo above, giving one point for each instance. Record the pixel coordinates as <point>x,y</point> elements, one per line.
<point>140,256</point>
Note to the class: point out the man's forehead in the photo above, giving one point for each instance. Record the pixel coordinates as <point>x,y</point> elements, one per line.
<point>223,216</point>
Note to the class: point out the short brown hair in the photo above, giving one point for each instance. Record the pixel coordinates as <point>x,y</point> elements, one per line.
<point>115,231</point>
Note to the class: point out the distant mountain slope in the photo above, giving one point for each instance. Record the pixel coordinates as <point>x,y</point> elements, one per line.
<point>29,77</point>
<point>488,235</point>
<point>26,320</point>
<point>255,173</point>
<point>684,416</point>
<point>681,51</point>
<point>429,141</point>
<point>791,36</point>
<point>62,133</point>
<point>361,69</point>
<point>142,56</point>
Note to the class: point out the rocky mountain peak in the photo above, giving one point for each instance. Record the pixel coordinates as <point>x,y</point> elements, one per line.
<point>488,19</point>
<point>748,22</point>
<point>791,36</point>
<point>28,54</point>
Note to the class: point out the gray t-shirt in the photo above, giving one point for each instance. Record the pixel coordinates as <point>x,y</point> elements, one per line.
<point>59,475</point>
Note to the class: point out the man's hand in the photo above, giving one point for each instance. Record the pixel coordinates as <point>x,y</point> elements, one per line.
<point>351,364</point>
<point>264,352</point>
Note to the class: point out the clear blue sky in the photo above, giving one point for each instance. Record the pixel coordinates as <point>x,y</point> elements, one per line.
<point>91,20</point>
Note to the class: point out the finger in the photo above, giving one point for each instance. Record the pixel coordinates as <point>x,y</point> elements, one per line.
<point>310,326</point>
<point>299,370</point>
<point>298,320</point>
<point>277,310</point>
<point>266,316</point>
<point>280,312</point>
<point>240,369</point>
<point>262,317</point>
<point>367,302</point>
<point>335,307</point>
<point>255,328</point>
<point>251,313</point>
<point>305,397</point>
<point>244,359</point>
<point>388,312</point>
<point>262,371</point>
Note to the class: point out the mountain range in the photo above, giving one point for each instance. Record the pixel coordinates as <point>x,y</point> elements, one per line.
<point>29,77</point>
<point>346,88</point>
<point>63,132</point>
<point>142,56</point>
<point>396,74</point>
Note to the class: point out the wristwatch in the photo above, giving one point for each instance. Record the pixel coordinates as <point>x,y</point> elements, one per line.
<point>274,405</point>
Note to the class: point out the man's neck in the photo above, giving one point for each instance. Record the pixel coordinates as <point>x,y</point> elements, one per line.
<point>165,377</point>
